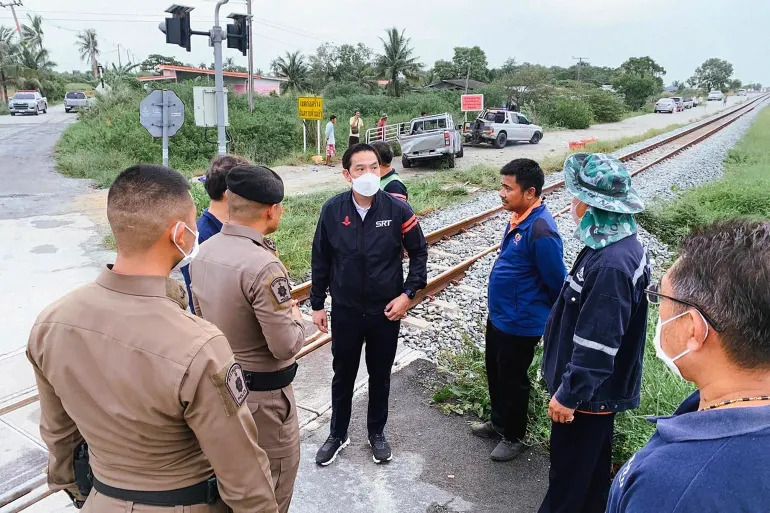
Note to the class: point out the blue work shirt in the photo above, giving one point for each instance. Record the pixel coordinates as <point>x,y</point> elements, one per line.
<point>527,276</point>
<point>715,461</point>
<point>208,226</point>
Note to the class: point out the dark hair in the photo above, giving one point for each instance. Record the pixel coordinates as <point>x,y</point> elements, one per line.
<point>423,114</point>
<point>216,176</point>
<point>333,116</point>
<point>141,202</point>
<point>527,172</point>
<point>356,148</point>
<point>724,268</point>
<point>384,152</point>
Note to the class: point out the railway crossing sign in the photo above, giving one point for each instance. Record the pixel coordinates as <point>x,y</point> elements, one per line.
<point>162,114</point>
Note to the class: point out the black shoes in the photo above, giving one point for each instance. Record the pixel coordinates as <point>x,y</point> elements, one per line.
<point>330,449</point>
<point>507,450</point>
<point>486,430</point>
<point>381,452</point>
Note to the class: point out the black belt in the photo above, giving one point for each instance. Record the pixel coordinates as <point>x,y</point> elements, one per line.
<point>201,493</point>
<point>265,381</point>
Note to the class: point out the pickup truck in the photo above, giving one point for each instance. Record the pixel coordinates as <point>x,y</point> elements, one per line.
<point>429,138</point>
<point>76,100</point>
<point>28,102</point>
<point>498,126</point>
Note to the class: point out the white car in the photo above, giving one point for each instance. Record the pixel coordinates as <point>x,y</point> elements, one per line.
<point>716,96</point>
<point>498,126</point>
<point>666,105</point>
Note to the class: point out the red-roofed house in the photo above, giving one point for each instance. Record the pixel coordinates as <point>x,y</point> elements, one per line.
<point>234,80</point>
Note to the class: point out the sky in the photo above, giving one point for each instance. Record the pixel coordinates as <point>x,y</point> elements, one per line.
<point>679,34</point>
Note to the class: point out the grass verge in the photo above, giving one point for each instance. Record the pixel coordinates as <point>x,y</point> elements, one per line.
<point>743,192</point>
<point>466,393</point>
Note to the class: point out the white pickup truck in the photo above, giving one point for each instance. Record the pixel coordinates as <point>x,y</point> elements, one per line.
<point>429,138</point>
<point>498,126</point>
<point>76,100</point>
<point>28,102</point>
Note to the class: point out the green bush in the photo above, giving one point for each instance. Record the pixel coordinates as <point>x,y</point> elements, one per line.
<point>606,107</point>
<point>566,112</point>
<point>4,109</point>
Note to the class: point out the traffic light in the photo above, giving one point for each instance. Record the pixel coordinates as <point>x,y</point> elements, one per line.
<point>238,32</point>
<point>177,28</point>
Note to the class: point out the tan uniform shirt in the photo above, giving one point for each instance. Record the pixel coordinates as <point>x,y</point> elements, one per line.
<point>152,388</point>
<point>239,284</point>
<point>356,124</point>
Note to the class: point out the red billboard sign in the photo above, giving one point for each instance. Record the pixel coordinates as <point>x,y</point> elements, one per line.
<point>472,102</point>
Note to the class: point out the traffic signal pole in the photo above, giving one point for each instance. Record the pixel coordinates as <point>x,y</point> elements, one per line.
<point>219,81</point>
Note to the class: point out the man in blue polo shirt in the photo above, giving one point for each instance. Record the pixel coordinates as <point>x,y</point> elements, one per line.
<point>594,340</point>
<point>713,454</point>
<point>523,286</point>
<point>210,222</point>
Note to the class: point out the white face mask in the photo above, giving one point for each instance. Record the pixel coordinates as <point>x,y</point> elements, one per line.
<point>657,341</point>
<point>367,184</point>
<point>186,257</point>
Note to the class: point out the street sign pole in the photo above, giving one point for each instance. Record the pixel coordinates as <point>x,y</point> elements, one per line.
<point>318,136</point>
<point>219,80</point>
<point>165,127</point>
<point>304,136</point>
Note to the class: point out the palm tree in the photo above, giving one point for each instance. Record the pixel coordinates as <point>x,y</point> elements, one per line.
<point>8,56</point>
<point>397,59</point>
<point>32,34</point>
<point>294,68</point>
<point>88,48</point>
<point>35,62</point>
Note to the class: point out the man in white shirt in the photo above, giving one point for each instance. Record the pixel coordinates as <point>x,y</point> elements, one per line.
<point>331,148</point>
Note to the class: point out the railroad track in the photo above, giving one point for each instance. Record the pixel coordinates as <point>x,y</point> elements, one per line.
<point>638,161</point>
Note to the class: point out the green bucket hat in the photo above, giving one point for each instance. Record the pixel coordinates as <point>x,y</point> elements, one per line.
<point>601,181</point>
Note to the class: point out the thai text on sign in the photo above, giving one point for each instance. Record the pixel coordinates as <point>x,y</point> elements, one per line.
<point>472,102</point>
<point>311,108</point>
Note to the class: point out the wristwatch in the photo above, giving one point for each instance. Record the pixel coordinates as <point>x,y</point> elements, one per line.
<point>410,293</point>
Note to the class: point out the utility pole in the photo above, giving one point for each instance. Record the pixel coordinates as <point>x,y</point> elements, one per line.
<point>217,35</point>
<point>251,58</point>
<point>120,65</point>
<point>12,4</point>
<point>579,65</point>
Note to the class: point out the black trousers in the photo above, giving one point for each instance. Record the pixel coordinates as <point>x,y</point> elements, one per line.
<point>350,330</point>
<point>507,360</point>
<point>352,140</point>
<point>581,459</point>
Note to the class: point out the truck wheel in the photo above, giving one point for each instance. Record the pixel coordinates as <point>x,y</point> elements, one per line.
<point>37,110</point>
<point>536,138</point>
<point>500,140</point>
<point>13,113</point>
<point>450,160</point>
<point>405,162</point>
<point>461,152</point>
<point>45,111</point>
<point>67,109</point>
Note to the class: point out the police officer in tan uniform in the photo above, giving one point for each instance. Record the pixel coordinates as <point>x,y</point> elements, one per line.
<point>152,389</point>
<point>239,284</point>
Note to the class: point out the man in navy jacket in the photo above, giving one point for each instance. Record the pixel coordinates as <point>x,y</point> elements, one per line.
<point>357,250</point>
<point>713,454</point>
<point>523,286</point>
<point>594,339</point>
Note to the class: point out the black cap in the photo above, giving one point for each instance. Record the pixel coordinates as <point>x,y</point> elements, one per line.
<point>256,183</point>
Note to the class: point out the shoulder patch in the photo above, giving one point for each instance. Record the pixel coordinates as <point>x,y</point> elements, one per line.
<point>269,244</point>
<point>231,386</point>
<point>281,289</point>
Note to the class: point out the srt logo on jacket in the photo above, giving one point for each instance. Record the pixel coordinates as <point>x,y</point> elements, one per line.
<point>382,223</point>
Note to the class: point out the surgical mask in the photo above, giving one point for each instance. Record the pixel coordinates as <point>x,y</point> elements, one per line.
<point>666,359</point>
<point>186,257</point>
<point>367,184</point>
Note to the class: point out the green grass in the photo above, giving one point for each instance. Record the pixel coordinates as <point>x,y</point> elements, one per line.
<point>78,86</point>
<point>743,192</point>
<point>4,109</point>
<point>466,394</point>
<point>555,163</point>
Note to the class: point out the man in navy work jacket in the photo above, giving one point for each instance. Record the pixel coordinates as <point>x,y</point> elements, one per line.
<point>359,240</point>
<point>523,286</point>
<point>211,220</point>
<point>713,454</point>
<point>594,339</point>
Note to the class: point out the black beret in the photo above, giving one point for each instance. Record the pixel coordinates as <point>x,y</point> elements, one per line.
<point>256,183</point>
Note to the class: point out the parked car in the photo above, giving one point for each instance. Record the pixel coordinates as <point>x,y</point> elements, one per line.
<point>679,103</point>
<point>689,103</point>
<point>498,126</point>
<point>28,102</point>
<point>430,138</point>
<point>741,92</point>
<point>76,100</point>
<point>666,105</point>
<point>716,96</point>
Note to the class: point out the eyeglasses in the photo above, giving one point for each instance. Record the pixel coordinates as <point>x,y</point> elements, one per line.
<point>654,295</point>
